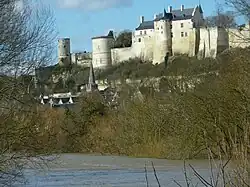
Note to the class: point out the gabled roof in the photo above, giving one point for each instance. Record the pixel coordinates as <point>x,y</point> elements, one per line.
<point>186,13</point>
<point>146,25</point>
<point>179,15</point>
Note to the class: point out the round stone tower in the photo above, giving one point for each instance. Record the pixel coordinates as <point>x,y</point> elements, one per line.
<point>101,51</point>
<point>64,56</point>
<point>163,37</point>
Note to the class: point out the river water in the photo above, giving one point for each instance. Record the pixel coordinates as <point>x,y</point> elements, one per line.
<point>87,170</point>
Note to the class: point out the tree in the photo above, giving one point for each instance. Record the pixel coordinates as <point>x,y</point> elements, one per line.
<point>124,39</point>
<point>242,7</point>
<point>27,37</point>
<point>225,20</point>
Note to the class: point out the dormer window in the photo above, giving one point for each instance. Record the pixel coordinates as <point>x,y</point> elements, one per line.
<point>184,15</point>
<point>174,16</point>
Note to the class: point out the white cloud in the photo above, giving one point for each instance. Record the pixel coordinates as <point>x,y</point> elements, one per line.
<point>94,4</point>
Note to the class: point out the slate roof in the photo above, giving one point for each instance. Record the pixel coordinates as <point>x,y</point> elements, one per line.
<point>97,37</point>
<point>146,25</point>
<point>182,15</point>
<point>177,15</point>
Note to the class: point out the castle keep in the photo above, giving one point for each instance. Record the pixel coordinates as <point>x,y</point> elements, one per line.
<point>173,32</point>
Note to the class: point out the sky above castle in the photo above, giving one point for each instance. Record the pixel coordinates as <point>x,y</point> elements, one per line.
<point>82,19</point>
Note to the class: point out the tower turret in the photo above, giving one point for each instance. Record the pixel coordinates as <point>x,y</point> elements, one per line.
<point>64,56</point>
<point>163,37</point>
<point>101,50</point>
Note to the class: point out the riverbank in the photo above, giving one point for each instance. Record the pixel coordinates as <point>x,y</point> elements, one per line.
<point>210,118</point>
<point>85,170</point>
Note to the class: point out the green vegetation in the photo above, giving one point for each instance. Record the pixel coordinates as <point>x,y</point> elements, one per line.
<point>124,39</point>
<point>210,119</point>
<point>62,79</point>
<point>138,69</point>
<point>174,125</point>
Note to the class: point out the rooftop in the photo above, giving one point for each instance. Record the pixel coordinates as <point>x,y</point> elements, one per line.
<point>178,14</point>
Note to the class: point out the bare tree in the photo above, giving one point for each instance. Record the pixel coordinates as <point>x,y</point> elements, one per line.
<point>27,38</point>
<point>225,20</point>
<point>242,7</point>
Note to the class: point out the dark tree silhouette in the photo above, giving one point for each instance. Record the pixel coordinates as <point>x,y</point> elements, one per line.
<point>124,39</point>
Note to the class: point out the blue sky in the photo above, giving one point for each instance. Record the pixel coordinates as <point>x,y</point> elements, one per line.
<point>82,19</point>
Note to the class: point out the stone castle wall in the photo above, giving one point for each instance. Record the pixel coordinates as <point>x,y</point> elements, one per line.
<point>122,54</point>
<point>212,42</point>
<point>203,42</point>
<point>162,41</point>
<point>152,45</point>
<point>239,38</point>
<point>101,51</point>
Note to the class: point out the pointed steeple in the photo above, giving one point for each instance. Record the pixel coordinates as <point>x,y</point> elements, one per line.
<point>91,86</point>
<point>91,74</point>
<point>164,13</point>
<point>199,7</point>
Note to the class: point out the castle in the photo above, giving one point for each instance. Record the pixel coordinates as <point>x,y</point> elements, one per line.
<point>173,32</point>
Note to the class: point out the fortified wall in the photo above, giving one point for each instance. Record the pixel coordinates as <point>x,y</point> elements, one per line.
<point>212,41</point>
<point>239,37</point>
<point>181,31</point>
<point>66,57</point>
<point>202,42</point>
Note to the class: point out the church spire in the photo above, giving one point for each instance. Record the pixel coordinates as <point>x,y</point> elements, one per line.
<point>164,13</point>
<point>91,86</point>
<point>91,74</point>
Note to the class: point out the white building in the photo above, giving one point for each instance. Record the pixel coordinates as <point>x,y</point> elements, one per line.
<point>168,33</point>
<point>172,32</point>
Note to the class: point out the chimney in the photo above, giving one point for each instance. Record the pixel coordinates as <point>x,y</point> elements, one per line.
<point>155,16</point>
<point>169,9</point>
<point>182,7</point>
<point>141,19</point>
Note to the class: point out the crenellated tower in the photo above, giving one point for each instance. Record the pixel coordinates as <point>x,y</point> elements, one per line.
<point>64,56</point>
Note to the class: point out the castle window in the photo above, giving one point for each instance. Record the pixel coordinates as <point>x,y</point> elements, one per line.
<point>140,32</point>
<point>171,26</point>
<point>172,34</point>
<point>186,34</point>
<point>182,34</point>
<point>162,32</point>
<point>139,39</point>
<point>161,27</point>
<point>145,32</point>
<point>181,25</point>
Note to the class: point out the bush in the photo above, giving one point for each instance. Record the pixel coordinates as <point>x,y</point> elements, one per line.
<point>138,69</point>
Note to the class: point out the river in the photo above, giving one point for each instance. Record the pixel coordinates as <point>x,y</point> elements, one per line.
<point>87,170</point>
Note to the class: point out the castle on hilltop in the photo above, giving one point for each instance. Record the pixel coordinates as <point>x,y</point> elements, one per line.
<point>173,32</point>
